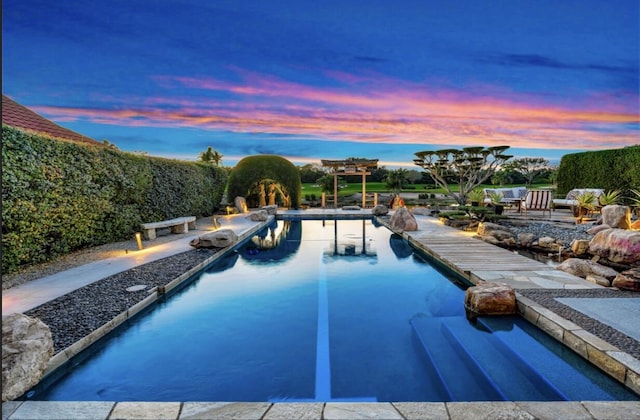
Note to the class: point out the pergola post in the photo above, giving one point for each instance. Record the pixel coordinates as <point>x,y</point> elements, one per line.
<point>335,190</point>
<point>364,189</point>
<point>350,166</point>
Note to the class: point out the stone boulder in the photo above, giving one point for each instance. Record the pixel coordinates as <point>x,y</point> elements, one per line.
<point>599,280</point>
<point>497,231</point>
<point>580,246</point>
<point>380,210</point>
<point>616,216</point>
<point>628,280</point>
<point>421,211</point>
<point>583,268</point>
<point>403,220</point>
<point>271,210</point>
<point>525,239</point>
<point>27,346</point>
<point>547,242</point>
<point>241,204</point>
<point>489,298</point>
<point>597,228</point>
<point>617,245</point>
<point>259,216</point>
<point>221,238</point>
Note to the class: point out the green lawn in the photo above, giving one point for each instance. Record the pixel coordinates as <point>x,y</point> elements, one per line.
<point>380,187</point>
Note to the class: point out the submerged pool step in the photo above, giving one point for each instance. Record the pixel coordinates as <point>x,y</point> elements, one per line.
<point>460,377</point>
<point>545,355</point>
<point>511,372</point>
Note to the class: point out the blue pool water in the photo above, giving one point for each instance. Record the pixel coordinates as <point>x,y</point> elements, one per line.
<point>325,310</point>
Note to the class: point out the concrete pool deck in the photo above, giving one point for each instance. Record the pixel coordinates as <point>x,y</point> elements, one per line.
<point>474,260</point>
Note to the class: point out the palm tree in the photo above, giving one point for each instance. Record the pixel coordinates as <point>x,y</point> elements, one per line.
<point>211,156</point>
<point>396,179</point>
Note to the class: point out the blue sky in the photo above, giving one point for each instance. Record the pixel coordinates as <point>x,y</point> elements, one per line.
<point>312,80</point>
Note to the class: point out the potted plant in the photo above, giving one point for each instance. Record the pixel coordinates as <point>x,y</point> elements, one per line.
<point>476,196</point>
<point>586,202</point>
<point>496,202</point>
<point>609,198</point>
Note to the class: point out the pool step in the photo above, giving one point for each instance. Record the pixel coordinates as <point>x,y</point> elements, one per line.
<point>460,378</point>
<point>474,364</point>
<point>563,367</point>
<point>514,375</point>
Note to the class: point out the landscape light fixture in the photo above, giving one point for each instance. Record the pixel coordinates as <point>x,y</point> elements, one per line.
<point>139,240</point>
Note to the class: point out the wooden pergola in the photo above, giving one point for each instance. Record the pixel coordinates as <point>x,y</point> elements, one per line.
<point>350,167</point>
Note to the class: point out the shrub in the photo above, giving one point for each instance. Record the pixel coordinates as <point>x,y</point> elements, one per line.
<point>252,170</point>
<point>59,196</point>
<point>615,169</point>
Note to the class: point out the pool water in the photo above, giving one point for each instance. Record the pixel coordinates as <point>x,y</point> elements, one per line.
<point>325,310</point>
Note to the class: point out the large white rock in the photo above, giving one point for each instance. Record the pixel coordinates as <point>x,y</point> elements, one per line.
<point>628,280</point>
<point>580,246</point>
<point>221,238</point>
<point>489,298</point>
<point>583,268</point>
<point>241,204</point>
<point>403,220</point>
<point>616,216</point>
<point>27,346</point>
<point>271,210</point>
<point>421,211</point>
<point>259,216</point>
<point>617,245</point>
<point>501,233</point>
<point>380,210</point>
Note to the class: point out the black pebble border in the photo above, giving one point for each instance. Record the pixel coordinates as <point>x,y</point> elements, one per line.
<point>547,298</point>
<point>75,315</point>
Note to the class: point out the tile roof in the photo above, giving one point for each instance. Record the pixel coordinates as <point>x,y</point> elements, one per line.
<point>16,115</point>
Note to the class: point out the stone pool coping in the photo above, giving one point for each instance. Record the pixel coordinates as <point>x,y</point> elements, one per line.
<point>107,410</point>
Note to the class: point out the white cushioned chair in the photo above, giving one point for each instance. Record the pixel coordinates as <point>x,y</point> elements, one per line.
<point>570,200</point>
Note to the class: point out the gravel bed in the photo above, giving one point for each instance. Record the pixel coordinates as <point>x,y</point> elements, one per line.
<point>562,233</point>
<point>547,298</point>
<point>75,315</point>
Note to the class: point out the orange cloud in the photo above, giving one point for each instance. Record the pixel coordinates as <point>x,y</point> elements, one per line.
<point>361,111</point>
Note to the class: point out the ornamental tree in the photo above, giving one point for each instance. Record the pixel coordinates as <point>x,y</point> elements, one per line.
<point>467,168</point>
<point>529,167</point>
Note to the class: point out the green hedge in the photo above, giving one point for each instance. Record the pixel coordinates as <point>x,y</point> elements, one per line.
<point>251,170</point>
<point>615,169</point>
<point>58,197</point>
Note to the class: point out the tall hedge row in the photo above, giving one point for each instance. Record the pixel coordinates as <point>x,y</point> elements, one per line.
<point>614,169</point>
<point>59,196</point>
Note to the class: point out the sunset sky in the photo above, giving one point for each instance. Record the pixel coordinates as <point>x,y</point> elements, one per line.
<point>330,79</point>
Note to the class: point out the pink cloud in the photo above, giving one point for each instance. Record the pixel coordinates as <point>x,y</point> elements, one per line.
<point>373,110</point>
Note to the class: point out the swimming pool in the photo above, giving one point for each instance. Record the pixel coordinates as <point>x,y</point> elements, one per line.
<point>325,310</point>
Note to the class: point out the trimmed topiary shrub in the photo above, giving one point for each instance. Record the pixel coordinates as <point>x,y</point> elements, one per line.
<point>251,171</point>
<point>58,197</point>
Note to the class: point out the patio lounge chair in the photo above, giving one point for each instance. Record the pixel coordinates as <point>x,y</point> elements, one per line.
<point>539,200</point>
<point>570,200</point>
